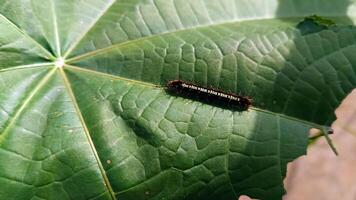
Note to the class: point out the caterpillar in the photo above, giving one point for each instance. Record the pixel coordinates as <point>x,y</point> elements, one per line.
<point>209,95</point>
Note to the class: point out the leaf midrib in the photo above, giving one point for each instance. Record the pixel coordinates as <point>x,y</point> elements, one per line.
<point>81,37</point>
<point>86,131</point>
<point>26,102</point>
<point>137,40</point>
<point>36,65</point>
<point>113,77</point>
<point>55,28</point>
<point>23,33</point>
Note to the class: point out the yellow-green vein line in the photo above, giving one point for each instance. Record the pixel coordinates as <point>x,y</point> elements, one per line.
<point>48,54</point>
<point>113,77</point>
<point>86,131</point>
<point>80,38</point>
<point>55,28</point>
<point>25,104</point>
<point>26,66</point>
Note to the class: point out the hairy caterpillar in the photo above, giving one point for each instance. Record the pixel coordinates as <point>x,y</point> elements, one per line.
<point>209,95</point>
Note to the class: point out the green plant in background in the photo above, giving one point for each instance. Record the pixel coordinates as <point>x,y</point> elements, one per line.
<point>84,113</point>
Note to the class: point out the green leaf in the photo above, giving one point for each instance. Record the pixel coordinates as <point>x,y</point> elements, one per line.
<point>84,113</point>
